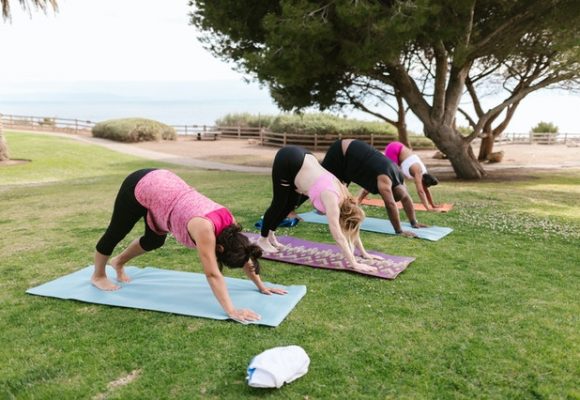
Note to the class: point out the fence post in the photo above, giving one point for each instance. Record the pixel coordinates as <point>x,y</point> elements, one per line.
<point>261,136</point>
<point>372,140</point>
<point>316,142</point>
<point>284,142</point>
<point>239,132</point>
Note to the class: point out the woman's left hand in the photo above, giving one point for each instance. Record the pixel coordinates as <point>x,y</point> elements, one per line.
<point>270,291</point>
<point>371,257</point>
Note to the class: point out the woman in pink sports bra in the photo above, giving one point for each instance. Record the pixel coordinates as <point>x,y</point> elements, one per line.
<point>169,205</point>
<point>296,173</point>
<point>413,168</point>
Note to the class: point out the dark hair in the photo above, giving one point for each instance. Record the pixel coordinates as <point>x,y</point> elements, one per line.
<point>236,249</point>
<point>429,180</point>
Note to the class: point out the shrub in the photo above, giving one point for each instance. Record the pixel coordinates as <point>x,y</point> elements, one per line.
<point>545,127</point>
<point>319,123</point>
<point>47,122</point>
<point>133,130</point>
<point>328,124</point>
<point>421,142</point>
<point>245,120</point>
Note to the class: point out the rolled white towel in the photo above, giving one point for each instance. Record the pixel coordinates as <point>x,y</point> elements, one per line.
<point>276,366</point>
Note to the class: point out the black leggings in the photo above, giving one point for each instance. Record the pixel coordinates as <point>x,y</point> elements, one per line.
<point>126,213</point>
<point>287,164</point>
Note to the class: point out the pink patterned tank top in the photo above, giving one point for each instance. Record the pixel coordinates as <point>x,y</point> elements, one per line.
<point>171,203</point>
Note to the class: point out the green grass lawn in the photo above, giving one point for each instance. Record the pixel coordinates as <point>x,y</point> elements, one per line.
<point>490,311</point>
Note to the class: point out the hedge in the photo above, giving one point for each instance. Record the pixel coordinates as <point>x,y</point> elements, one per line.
<point>133,130</point>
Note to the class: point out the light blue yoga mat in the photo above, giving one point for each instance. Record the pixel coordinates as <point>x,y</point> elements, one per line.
<point>384,226</point>
<point>185,293</point>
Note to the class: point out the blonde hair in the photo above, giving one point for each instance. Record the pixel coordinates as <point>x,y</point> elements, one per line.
<point>351,216</point>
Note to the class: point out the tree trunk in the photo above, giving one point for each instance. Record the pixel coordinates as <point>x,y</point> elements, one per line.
<point>458,151</point>
<point>3,146</point>
<point>403,133</point>
<point>486,147</point>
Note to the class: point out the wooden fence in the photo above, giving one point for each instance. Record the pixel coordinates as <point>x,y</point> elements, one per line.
<point>263,136</point>
<point>539,138</point>
<point>64,125</point>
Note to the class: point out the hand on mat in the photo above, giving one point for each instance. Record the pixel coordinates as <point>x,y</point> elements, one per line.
<point>372,257</point>
<point>419,225</point>
<point>270,291</point>
<point>408,234</point>
<point>363,267</point>
<point>244,315</point>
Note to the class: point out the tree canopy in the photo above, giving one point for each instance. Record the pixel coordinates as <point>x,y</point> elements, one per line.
<point>40,4</point>
<point>429,52</point>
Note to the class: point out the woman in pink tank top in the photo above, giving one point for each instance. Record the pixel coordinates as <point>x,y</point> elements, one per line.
<point>295,175</point>
<point>169,205</point>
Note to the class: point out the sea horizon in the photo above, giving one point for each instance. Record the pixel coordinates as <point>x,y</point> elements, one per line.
<point>203,102</point>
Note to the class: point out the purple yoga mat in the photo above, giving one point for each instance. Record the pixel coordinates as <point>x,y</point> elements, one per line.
<point>329,256</point>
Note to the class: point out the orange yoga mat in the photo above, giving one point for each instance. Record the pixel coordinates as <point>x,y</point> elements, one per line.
<point>418,207</point>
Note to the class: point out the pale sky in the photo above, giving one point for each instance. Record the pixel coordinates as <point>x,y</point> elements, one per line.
<point>111,40</point>
<point>151,40</point>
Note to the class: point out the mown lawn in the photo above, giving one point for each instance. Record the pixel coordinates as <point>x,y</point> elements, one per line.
<point>490,311</point>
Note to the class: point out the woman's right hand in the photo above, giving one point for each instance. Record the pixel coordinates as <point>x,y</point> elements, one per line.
<point>244,315</point>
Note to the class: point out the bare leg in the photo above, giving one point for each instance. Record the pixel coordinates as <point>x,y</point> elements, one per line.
<point>118,262</point>
<point>99,278</point>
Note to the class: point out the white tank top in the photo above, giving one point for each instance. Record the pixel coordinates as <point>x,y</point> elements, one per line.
<point>409,161</point>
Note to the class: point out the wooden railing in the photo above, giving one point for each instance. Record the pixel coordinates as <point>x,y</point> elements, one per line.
<point>311,141</point>
<point>539,138</point>
<point>65,125</point>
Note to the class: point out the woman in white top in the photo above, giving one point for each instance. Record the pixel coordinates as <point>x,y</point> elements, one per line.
<point>413,168</point>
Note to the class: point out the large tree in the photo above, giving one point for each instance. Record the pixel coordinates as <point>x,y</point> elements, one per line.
<point>311,52</point>
<point>26,4</point>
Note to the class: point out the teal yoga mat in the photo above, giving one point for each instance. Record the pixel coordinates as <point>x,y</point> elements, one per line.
<point>177,292</point>
<point>384,226</point>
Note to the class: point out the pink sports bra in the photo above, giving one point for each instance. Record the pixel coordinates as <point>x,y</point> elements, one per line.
<point>326,181</point>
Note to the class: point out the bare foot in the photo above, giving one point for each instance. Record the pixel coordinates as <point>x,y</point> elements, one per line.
<point>120,269</point>
<point>277,244</point>
<point>274,242</point>
<point>104,284</point>
<point>266,246</point>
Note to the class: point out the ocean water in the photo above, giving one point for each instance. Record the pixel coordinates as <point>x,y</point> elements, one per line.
<point>202,102</point>
<point>170,112</point>
<point>174,103</point>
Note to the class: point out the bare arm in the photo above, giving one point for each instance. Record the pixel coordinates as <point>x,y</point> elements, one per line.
<point>429,198</point>
<point>362,195</point>
<point>384,185</point>
<point>358,244</point>
<point>201,231</point>
<point>408,206</point>
<point>251,274</point>
<point>421,191</point>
